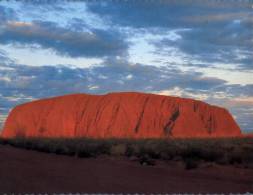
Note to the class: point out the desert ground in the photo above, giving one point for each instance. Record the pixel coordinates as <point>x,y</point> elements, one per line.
<point>28,171</point>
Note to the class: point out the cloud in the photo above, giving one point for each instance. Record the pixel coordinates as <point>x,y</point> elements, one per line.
<point>180,92</point>
<point>2,119</point>
<point>241,109</point>
<point>6,14</point>
<point>199,49</point>
<point>235,15</point>
<point>236,90</point>
<point>171,14</point>
<point>111,75</point>
<point>4,59</point>
<point>26,83</point>
<point>21,83</point>
<point>64,13</point>
<point>48,35</point>
<point>219,32</point>
<point>230,45</point>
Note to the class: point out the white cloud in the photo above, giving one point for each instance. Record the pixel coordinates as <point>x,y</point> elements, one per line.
<point>101,76</point>
<point>3,117</point>
<point>62,14</point>
<point>5,68</point>
<point>142,49</point>
<point>19,97</point>
<point>5,78</point>
<point>232,77</point>
<point>42,57</point>
<point>176,91</point>
<point>179,92</point>
<point>129,77</point>
<point>93,87</point>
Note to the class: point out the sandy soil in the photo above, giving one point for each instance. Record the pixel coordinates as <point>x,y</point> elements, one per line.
<point>30,171</point>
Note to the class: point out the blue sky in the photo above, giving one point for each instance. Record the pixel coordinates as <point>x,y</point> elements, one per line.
<point>195,49</point>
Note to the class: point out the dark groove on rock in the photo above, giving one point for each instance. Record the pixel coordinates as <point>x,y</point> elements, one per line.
<point>170,125</point>
<point>141,115</point>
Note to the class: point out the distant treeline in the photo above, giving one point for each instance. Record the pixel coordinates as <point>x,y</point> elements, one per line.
<point>225,151</point>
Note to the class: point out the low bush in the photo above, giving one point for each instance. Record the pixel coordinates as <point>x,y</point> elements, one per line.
<point>118,150</point>
<point>146,160</point>
<point>3,141</point>
<point>191,151</point>
<point>191,163</point>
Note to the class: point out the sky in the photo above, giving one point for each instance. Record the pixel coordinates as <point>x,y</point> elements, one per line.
<point>193,49</point>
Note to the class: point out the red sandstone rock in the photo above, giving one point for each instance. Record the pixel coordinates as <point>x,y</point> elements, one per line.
<point>120,115</point>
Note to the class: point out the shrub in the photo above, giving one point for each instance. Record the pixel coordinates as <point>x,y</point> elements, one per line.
<point>148,148</point>
<point>129,150</point>
<point>85,153</point>
<point>191,163</point>
<point>191,151</point>
<point>146,160</point>
<point>118,150</point>
<point>210,155</point>
<point>104,148</point>
<point>235,158</point>
<point>3,141</point>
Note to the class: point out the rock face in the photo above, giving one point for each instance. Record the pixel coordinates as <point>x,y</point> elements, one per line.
<point>119,115</point>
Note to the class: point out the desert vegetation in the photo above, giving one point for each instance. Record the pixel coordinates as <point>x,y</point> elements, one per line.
<point>193,152</point>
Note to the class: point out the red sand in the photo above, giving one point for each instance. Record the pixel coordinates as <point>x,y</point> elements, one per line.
<point>30,171</point>
<point>120,115</point>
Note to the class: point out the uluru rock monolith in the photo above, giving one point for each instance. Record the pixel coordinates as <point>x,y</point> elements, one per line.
<point>119,115</point>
